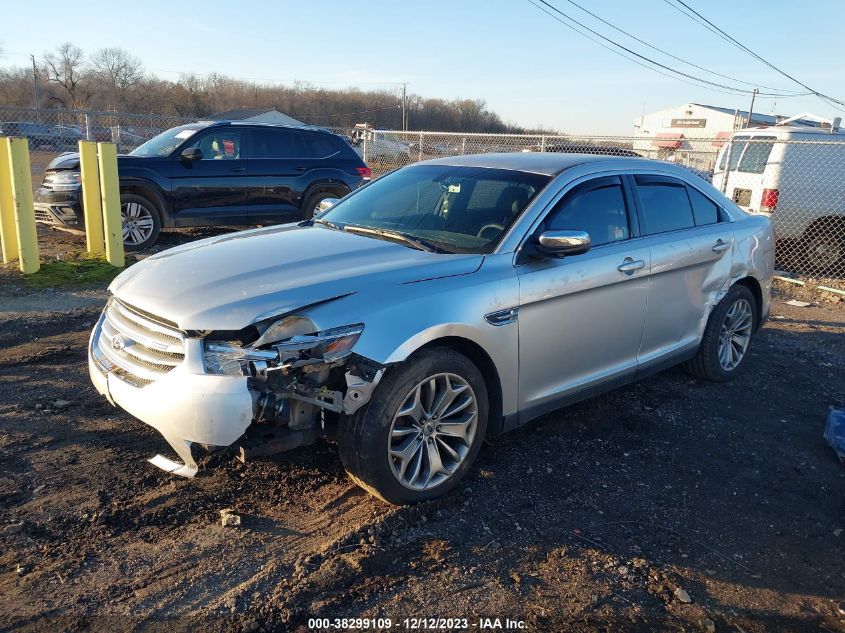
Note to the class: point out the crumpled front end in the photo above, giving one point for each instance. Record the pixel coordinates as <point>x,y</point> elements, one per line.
<point>278,382</point>
<point>153,371</point>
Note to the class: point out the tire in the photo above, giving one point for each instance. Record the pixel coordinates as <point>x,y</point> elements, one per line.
<point>145,218</point>
<point>366,438</point>
<point>823,247</point>
<point>716,359</point>
<point>313,201</point>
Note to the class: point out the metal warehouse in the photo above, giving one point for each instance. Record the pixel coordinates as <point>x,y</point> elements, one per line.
<point>693,133</point>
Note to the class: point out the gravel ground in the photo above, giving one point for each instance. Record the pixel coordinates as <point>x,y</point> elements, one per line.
<point>671,504</point>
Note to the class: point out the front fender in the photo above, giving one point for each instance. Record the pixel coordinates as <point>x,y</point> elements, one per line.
<point>401,319</point>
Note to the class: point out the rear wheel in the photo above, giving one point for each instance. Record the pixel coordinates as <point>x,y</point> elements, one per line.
<point>141,222</point>
<point>727,337</point>
<point>420,432</point>
<point>823,247</point>
<point>314,200</point>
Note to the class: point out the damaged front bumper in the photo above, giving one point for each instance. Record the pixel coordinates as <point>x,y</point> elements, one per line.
<point>160,375</point>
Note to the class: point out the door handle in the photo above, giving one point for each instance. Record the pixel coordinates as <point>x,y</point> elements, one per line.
<point>629,265</point>
<point>721,246</point>
<point>238,168</point>
<point>300,168</point>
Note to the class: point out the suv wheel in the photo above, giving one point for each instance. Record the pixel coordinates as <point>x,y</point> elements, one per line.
<point>420,432</point>
<point>727,337</point>
<point>141,222</point>
<point>314,200</point>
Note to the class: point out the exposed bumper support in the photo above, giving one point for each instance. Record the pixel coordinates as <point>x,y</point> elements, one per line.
<point>359,391</point>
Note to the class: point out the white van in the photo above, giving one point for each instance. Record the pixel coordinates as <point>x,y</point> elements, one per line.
<point>795,175</point>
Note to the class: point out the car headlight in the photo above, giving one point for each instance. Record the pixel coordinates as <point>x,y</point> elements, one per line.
<point>64,179</point>
<point>326,346</point>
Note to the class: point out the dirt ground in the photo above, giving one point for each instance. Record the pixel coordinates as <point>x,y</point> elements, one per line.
<point>671,504</point>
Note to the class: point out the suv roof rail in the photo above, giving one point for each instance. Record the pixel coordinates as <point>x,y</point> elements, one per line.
<point>310,128</point>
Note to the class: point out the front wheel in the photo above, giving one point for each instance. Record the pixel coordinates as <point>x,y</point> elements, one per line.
<point>727,337</point>
<point>141,222</point>
<point>420,432</point>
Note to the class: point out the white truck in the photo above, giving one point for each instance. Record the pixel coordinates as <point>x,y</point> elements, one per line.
<point>794,174</point>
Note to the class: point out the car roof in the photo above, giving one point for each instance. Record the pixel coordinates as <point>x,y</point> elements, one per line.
<point>546,163</point>
<point>307,128</point>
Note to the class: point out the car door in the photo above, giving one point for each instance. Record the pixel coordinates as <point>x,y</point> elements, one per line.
<point>581,317</point>
<point>277,165</point>
<point>691,251</point>
<point>212,190</point>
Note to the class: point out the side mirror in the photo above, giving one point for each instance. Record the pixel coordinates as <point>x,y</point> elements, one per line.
<point>191,154</point>
<point>326,204</point>
<point>563,243</point>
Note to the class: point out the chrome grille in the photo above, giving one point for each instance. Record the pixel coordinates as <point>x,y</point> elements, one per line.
<point>42,215</point>
<point>140,348</point>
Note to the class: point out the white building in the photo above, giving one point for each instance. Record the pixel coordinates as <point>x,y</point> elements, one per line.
<point>693,133</point>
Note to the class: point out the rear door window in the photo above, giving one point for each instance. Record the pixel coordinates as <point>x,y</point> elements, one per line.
<point>275,143</point>
<point>665,205</point>
<point>704,210</point>
<point>756,155</point>
<point>735,152</point>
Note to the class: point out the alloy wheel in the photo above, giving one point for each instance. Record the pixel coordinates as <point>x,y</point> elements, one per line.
<point>433,431</point>
<point>735,334</point>
<point>137,223</point>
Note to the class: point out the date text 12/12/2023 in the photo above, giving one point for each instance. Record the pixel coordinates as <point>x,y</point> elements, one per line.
<point>416,624</point>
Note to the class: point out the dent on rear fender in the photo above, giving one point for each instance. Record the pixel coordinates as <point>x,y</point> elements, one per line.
<point>751,256</point>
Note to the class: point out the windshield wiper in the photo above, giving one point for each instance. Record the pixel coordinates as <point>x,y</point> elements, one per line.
<point>410,240</point>
<point>331,225</point>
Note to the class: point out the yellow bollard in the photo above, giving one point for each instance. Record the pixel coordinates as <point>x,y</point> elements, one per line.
<point>28,255</point>
<point>8,232</point>
<point>91,203</point>
<point>110,194</point>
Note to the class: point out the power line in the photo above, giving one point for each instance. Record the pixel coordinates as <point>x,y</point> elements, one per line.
<point>668,54</point>
<point>614,51</point>
<point>718,31</point>
<point>734,89</point>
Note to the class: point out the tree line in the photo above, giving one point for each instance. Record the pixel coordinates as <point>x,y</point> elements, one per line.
<point>113,79</point>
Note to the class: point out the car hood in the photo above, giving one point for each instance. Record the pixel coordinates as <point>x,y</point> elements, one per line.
<point>70,160</point>
<point>231,281</point>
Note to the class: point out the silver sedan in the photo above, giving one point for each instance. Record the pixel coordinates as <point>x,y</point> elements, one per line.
<point>443,302</point>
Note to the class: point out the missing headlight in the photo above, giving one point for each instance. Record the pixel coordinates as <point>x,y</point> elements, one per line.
<point>324,347</point>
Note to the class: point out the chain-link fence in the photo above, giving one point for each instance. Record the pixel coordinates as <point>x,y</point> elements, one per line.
<point>384,150</point>
<point>798,183</point>
<point>792,175</point>
<point>51,132</point>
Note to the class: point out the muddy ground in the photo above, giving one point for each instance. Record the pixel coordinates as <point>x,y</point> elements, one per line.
<point>672,504</point>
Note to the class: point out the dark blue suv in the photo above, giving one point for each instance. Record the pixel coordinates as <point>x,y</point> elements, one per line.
<point>212,173</point>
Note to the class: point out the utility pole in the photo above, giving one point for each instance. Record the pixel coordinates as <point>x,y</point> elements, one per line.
<point>751,109</point>
<point>34,81</point>
<point>404,115</point>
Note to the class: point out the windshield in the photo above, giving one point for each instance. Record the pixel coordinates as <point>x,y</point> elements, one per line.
<point>452,209</point>
<point>164,144</point>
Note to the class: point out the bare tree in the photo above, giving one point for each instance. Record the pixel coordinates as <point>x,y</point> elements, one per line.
<point>118,70</point>
<point>66,67</point>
